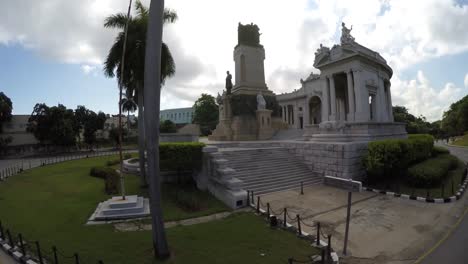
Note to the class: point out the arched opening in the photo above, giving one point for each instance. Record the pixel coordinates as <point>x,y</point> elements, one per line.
<point>315,110</point>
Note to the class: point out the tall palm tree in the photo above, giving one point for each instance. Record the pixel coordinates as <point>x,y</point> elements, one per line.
<point>129,105</point>
<point>152,87</point>
<point>133,76</point>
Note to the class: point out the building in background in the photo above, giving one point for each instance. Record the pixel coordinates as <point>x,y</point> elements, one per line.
<point>180,116</point>
<point>16,129</point>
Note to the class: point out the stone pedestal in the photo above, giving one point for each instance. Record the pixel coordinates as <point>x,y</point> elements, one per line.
<point>265,130</point>
<point>223,130</point>
<point>116,208</point>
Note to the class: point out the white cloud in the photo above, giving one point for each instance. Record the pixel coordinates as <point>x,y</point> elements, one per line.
<point>466,80</point>
<point>421,98</point>
<point>88,68</point>
<point>202,40</point>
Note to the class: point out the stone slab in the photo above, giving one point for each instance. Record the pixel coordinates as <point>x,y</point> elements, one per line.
<point>346,184</point>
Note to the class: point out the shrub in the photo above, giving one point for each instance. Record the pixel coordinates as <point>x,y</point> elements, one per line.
<point>185,201</point>
<point>439,151</point>
<point>431,172</point>
<point>393,156</point>
<point>180,156</point>
<point>110,176</point>
<point>112,162</point>
<point>167,126</point>
<point>127,156</point>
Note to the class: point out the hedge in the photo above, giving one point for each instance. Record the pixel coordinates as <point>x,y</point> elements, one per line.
<point>431,172</point>
<point>110,176</point>
<point>394,156</point>
<point>180,156</point>
<point>439,150</point>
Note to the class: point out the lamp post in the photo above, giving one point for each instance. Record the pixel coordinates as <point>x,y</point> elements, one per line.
<point>348,216</point>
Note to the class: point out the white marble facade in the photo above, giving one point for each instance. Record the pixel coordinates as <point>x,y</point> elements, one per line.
<point>353,87</point>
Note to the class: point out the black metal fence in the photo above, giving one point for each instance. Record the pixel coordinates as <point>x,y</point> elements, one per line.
<point>285,219</point>
<point>21,166</point>
<point>25,250</point>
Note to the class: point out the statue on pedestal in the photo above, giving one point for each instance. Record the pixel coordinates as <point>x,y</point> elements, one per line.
<point>228,83</point>
<point>261,103</point>
<point>346,34</point>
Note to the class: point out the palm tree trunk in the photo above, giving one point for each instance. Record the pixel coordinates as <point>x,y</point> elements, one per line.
<point>152,103</point>
<point>141,137</point>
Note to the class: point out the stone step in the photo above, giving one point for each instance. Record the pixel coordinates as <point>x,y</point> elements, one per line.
<point>256,157</point>
<point>283,173</point>
<point>273,188</point>
<point>266,165</point>
<point>297,179</point>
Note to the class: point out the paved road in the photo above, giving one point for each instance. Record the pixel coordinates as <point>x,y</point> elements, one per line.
<point>5,259</point>
<point>454,250</point>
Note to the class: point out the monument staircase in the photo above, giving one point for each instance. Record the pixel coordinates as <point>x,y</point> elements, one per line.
<point>265,170</point>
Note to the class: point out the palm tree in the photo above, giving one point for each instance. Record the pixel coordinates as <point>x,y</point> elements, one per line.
<point>152,87</point>
<point>133,76</point>
<point>129,105</point>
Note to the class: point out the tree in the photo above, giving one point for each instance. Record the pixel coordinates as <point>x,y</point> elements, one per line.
<point>167,126</point>
<point>414,125</point>
<point>6,107</point>
<point>133,76</point>
<point>455,120</point>
<point>93,123</point>
<point>128,105</point>
<point>206,113</point>
<point>114,135</point>
<point>55,125</point>
<point>152,90</point>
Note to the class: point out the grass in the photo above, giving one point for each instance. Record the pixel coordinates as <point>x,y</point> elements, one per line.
<point>462,141</point>
<point>454,176</point>
<point>52,203</point>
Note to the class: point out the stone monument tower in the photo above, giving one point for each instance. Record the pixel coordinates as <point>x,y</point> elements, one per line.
<point>243,113</point>
<point>249,55</point>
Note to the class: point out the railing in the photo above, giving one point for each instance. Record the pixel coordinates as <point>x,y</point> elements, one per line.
<point>293,222</point>
<point>26,251</point>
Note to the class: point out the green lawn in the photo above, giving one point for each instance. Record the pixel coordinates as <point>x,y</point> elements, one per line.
<point>463,141</point>
<point>52,204</point>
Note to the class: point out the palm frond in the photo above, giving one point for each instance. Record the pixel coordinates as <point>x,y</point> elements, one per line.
<point>116,21</point>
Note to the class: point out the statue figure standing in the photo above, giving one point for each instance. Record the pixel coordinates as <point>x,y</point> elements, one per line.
<point>261,104</point>
<point>228,83</point>
<point>346,34</point>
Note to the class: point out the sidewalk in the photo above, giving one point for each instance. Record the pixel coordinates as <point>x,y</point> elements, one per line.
<point>5,259</point>
<point>383,229</point>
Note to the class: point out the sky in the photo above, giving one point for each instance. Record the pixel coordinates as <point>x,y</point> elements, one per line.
<point>51,51</point>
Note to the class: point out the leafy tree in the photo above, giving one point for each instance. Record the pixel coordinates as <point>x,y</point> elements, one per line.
<point>133,76</point>
<point>414,125</point>
<point>93,123</point>
<point>167,126</point>
<point>114,135</point>
<point>6,106</point>
<point>55,125</point>
<point>455,120</point>
<point>128,105</point>
<point>206,113</point>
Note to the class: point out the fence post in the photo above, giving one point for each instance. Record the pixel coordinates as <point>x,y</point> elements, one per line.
<point>77,258</point>
<point>329,246</point>
<point>428,195</point>
<point>12,243</point>
<point>39,255</point>
<point>443,190</point>
<point>2,235</point>
<point>284,217</point>
<point>323,255</point>
<point>100,262</point>
<point>23,250</point>
<point>258,204</point>
<point>290,261</point>
<point>54,249</point>
<point>302,188</point>
<point>268,210</point>
<point>252,195</point>
<point>299,225</point>
<point>318,234</point>
<point>452,187</point>
<point>248,198</point>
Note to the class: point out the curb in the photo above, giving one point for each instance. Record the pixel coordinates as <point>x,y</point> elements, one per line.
<point>304,235</point>
<point>15,253</point>
<point>450,199</point>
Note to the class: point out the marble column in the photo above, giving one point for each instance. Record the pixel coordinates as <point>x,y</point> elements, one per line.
<point>362,98</point>
<point>380,107</point>
<point>332,98</point>
<point>351,104</point>
<point>325,101</point>
<point>390,107</point>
